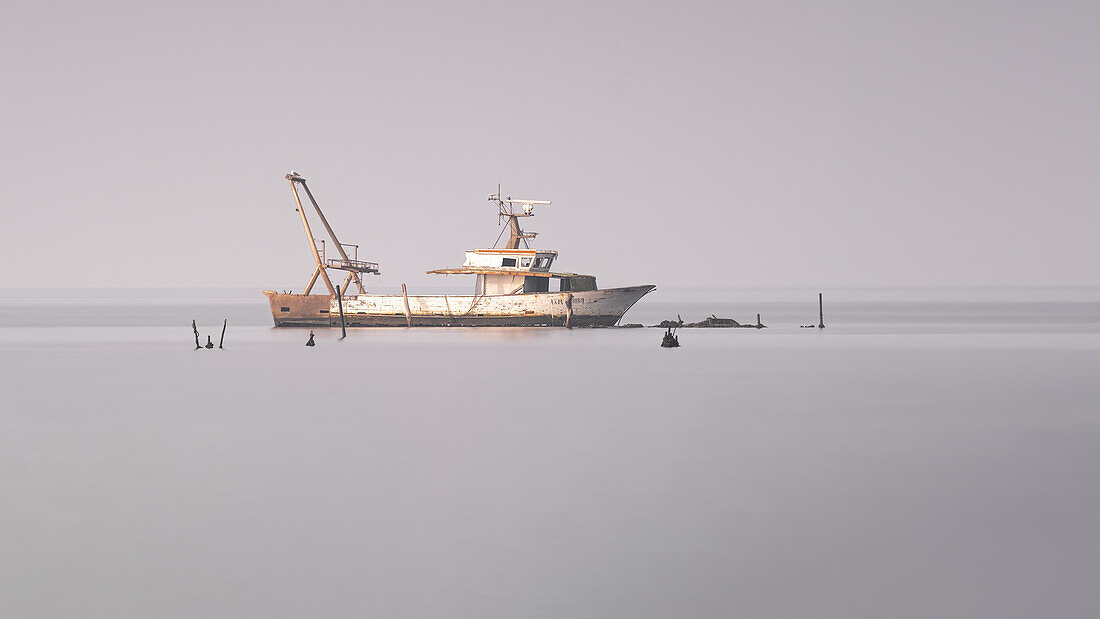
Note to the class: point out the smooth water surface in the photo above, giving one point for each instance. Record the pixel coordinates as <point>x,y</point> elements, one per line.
<point>932,452</point>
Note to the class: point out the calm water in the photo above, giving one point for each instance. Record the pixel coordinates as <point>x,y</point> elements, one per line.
<point>931,453</point>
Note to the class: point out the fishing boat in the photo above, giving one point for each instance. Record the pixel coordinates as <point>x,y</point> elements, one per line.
<point>514,285</point>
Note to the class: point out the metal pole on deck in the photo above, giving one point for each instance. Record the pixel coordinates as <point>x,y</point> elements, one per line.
<point>408,313</point>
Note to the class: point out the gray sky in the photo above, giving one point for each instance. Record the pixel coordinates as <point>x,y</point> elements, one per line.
<point>856,143</point>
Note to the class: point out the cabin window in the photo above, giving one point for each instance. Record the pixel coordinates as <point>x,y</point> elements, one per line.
<point>525,262</point>
<point>582,283</point>
<point>508,262</point>
<point>536,284</point>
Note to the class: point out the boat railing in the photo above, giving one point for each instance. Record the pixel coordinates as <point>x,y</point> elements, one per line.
<point>362,266</point>
<point>351,264</point>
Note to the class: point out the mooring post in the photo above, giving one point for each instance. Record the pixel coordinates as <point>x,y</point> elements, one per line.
<point>196,330</point>
<point>408,313</point>
<point>222,339</point>
<point>758,324</point>
<point>820,313</point>
<point>568,311</point>
<point>340,304</point>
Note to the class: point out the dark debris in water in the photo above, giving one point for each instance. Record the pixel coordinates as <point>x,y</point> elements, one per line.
<point>711,322</point>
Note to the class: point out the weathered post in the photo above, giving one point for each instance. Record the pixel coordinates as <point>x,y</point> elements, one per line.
<point>222,339</point>
<point>568,311</point>
<point>408,313</point>
<point>340,304</point>
<point>196,330</point>
<point>759,325</point>
<point>820,313</point>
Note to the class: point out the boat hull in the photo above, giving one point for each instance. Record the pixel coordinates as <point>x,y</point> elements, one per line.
<point>591,308</point>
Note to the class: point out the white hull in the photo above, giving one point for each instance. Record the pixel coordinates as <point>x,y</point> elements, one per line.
<point>587,308</point>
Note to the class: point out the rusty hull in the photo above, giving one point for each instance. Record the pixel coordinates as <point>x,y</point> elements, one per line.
<point>300,310</point>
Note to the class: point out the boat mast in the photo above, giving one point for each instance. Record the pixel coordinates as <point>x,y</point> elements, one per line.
<point>320,268</point>
<point>352,275</point>
<point>505,210</point>
<point>353,266</point>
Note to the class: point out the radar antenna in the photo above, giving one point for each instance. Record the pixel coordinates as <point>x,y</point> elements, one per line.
<point>506,210</point>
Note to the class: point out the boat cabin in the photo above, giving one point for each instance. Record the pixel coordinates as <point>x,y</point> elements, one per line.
<point>517,271</point>
<point>517,259</point>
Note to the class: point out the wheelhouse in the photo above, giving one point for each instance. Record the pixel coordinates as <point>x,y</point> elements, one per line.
<point>518,259</point>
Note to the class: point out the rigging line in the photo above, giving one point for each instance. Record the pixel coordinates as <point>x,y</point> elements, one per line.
<point>473,304</point>
<point>499,235</point>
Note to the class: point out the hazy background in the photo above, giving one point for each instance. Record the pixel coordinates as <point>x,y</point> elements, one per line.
<point>861,143</point>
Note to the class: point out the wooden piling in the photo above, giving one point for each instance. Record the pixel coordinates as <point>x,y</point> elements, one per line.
<point>408,312</point>
<point>196,330</point>
<point>820,313</point>
<point>340,304</point>
<point>222,339</point>
<point>568,311</point>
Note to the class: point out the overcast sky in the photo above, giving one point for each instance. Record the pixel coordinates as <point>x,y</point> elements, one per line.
<point>861,143</point>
